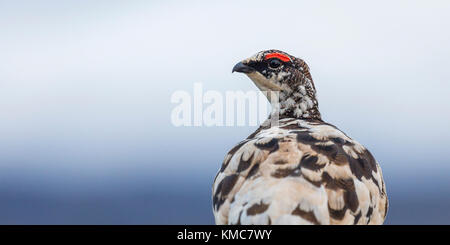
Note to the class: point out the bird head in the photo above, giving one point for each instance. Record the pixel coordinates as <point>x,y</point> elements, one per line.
<point>289,77</point>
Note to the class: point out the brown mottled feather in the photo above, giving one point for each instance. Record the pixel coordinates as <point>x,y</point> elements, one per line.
<point>309,174</point>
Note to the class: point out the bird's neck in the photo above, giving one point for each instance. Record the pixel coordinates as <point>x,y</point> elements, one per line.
<point>304,107</point>
<point>300,103</point>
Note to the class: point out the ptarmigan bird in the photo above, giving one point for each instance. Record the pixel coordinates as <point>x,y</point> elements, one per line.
<point>296,169</point>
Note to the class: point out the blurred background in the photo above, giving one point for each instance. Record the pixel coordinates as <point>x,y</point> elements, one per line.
<point>85,87</point>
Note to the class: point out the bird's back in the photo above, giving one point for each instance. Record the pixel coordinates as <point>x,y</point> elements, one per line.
<point>299,172</point>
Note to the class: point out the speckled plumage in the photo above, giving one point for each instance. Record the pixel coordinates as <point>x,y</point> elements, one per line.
<point>300,170</point>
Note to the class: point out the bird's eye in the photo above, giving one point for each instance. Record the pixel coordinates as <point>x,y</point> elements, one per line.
<point>274,63</point>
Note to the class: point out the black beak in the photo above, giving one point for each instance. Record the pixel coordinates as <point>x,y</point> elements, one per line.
<point>241,67</point>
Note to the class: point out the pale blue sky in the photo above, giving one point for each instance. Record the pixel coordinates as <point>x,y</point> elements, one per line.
<point>381,69</point>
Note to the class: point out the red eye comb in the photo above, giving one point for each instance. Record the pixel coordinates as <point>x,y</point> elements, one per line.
<point>282,57</point>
